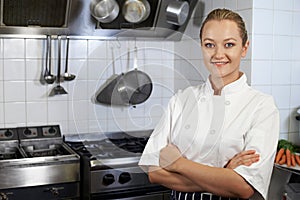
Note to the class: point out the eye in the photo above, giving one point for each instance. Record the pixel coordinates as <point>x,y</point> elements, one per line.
<point>209,45</point>
<point>228,45</point>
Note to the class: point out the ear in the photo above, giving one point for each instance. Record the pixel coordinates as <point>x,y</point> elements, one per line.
<point>245,49</point>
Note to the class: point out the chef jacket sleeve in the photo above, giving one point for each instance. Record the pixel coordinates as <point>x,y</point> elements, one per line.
<point>262,137</point>
<point>159,137</point>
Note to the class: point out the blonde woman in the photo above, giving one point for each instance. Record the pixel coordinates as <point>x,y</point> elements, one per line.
<point>217,140</point>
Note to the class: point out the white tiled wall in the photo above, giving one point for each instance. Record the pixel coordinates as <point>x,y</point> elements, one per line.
<point>25,100</point>
<point>275,66</point>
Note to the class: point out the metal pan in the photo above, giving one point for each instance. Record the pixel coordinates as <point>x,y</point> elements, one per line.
<point>105,11</point>
<point>134,87</point>
<point>136,11</point>
<point>177,12</point>
<point>130,88</point>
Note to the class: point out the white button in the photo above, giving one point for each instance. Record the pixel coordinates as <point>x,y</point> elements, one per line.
<point>187,126</point>
<point>227,103</point>
<point>212,131</point>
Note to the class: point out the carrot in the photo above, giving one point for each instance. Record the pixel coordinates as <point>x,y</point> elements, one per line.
<point>283,160</point>
<point>293,160</point>
<point>297,159</point>
<point>288,157</point>
<point>279,155</point>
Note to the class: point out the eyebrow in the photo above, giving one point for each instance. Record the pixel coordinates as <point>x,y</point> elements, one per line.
<point>224,40</point>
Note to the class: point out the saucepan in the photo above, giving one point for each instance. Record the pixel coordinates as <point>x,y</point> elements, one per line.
<point>177,12</point>
<point>105,11</point>
<point>136,11</point>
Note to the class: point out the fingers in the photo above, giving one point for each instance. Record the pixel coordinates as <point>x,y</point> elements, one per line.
<point>246,158</point>
<point>247,152</point>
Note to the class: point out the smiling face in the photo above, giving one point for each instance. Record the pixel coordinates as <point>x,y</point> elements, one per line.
<point>222,49</point>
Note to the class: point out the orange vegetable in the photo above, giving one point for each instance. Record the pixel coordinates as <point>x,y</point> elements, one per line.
<point>283,160</point>
<point>288,157</point>
<point>297,159</point>
<point>293,160</point>
<point>279,155</point>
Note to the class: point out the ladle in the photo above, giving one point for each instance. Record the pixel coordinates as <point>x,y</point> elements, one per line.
<point>58,89</point>
<point>49,78</point>
<point>67,75</point>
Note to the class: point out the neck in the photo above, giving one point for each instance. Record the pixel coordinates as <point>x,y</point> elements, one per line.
<point>218,83</point>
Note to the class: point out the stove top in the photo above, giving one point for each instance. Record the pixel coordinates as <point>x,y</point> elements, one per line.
<point>113,149</point>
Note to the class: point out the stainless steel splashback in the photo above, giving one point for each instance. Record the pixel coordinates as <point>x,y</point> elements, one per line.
<point>74,18</point>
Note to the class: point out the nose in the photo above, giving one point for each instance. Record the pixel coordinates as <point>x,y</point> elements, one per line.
<point>219,53</point>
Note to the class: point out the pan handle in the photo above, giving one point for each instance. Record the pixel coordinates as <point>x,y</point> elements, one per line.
<point>135,61</point>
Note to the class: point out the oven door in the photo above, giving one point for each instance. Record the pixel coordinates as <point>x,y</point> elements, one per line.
<point>150,193</point>
<point>147,197</point>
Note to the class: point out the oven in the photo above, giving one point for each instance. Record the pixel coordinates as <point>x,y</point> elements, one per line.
<point>109,166</point>
<point>36,164</point>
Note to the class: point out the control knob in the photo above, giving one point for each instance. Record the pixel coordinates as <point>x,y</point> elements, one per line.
<point>124,177</point>
<point>27,132</point>
<point>8,133</point>
<point>108,179</point>
<point>3,196</point>
<point>52,131</point>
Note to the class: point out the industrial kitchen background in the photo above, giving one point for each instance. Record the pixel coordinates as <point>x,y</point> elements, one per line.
<point>272,65</point>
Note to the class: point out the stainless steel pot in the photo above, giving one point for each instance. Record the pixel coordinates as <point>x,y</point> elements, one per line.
<point>136,11</point>
<point>177,12</point>
<point>105,11</point>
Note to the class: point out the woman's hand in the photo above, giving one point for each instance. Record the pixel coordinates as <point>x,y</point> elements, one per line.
<point>168,156</point>
<point>246,158</point>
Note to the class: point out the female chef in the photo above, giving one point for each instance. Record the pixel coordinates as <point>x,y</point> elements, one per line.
<point>206,145</point>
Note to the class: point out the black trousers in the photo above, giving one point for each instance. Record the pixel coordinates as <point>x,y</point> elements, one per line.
<point>197,196</point>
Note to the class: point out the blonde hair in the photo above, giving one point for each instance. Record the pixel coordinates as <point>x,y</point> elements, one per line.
<point>225,14</point>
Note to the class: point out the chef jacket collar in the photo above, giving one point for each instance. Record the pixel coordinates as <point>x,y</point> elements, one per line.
<point>230,88</point>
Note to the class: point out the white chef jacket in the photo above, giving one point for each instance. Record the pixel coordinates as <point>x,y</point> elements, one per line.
<point>212,129</point>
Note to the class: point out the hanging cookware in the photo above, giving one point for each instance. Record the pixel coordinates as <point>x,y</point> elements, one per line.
<point>105,92</point>
<point>136,11</point>
<point>68,76</point>
<point>105,11</point>
<point>134,87</point>
<point>130,88</point>
<point>49,77</point>
<point>58,89</point>
<point>177,12</point>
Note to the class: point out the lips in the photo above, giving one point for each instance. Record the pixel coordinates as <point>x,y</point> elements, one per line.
<point>220,63</point>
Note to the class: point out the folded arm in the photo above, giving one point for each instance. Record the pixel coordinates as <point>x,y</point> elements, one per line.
<point>174,181</point>
<point>188,176</point>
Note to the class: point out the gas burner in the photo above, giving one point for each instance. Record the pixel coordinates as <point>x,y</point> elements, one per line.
<point>110,148</point>
<point>131,144</point>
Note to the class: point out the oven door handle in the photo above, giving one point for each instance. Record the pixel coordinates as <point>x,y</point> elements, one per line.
<point>54,190</point>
